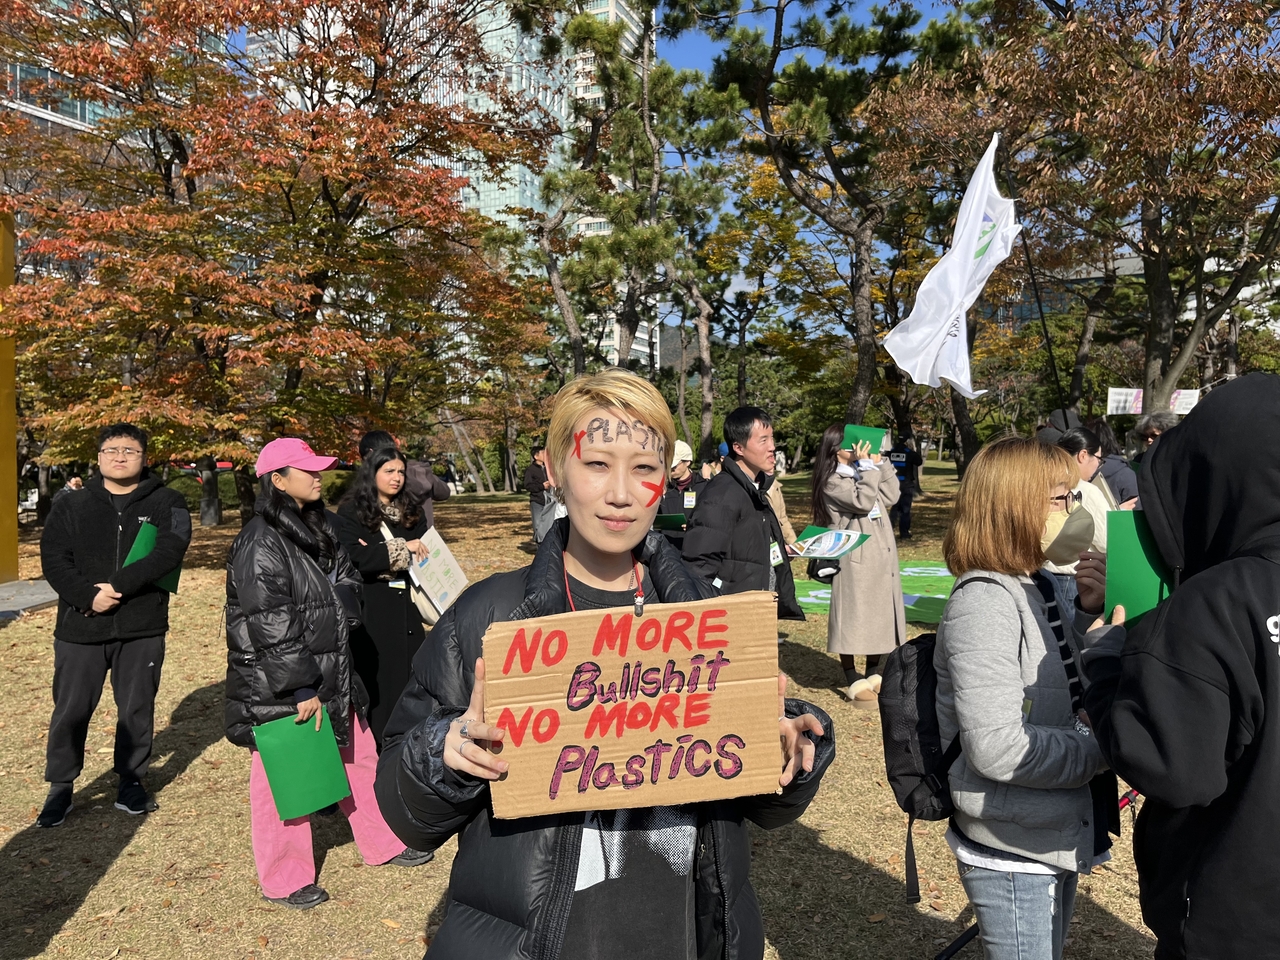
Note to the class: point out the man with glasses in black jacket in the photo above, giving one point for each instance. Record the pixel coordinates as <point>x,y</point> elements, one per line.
<point>111,617</point>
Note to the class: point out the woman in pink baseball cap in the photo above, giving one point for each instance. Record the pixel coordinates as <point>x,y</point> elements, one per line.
<point>292,597</point>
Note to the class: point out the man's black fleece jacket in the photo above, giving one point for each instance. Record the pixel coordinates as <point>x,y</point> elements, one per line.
<point>1183,713</point>
<point>85,542</point>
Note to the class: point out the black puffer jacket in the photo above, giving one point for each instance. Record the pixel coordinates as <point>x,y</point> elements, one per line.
<point>729,535</point>
<point>287,626</point>
<point>86,540</point>
<point>1184,713</point>
<point>513,880</point>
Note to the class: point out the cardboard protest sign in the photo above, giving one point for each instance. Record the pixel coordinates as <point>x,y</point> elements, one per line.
<point>603,709</point>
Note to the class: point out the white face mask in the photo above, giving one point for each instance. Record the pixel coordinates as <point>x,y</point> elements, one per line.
<point>1066,535</point>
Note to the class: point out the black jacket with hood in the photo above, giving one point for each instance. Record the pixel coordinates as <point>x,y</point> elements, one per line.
<point>288,625</point>
<point>1184,713</point>
<point>85,542</point>
<point>729,535</point>
<point>513,880</point>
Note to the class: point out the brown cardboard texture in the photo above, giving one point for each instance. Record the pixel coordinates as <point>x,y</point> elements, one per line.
<point>603,709</point>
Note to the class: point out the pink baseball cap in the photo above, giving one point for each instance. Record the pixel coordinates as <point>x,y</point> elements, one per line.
<point>291,452</point>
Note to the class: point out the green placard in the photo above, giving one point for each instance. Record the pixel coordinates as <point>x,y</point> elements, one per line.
<point>303,765</point>
<point>669,521</point>
<point>854,435</point>
<point>143,544</point>
<point>1137,578</point>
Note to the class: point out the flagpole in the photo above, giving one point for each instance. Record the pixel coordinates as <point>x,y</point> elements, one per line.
<point>1044,324</point>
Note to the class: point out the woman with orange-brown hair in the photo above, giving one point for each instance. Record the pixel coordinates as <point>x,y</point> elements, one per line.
<point>1032,802</point>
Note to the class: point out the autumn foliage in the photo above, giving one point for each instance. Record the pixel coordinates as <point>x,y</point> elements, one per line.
<point>263,231</point>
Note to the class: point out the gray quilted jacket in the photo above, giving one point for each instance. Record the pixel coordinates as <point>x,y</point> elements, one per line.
<point>1022,781</point>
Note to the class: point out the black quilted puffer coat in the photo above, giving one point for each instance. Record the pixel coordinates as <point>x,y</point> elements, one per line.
<point>513,880</point>
<point>287,625</point>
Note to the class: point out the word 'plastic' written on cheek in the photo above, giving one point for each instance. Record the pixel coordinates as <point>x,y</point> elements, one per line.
<point>657,491</point>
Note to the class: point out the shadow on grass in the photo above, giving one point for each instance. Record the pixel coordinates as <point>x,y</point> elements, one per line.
<point>809,667</point>
<point>46,874</point>
<point>819,903</point>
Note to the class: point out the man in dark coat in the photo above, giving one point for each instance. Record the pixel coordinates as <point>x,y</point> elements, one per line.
<point>1185,709</point>
<point>542,505</point>
<point>110,616</point>
<point>906,464</point>
<point>734,539</point>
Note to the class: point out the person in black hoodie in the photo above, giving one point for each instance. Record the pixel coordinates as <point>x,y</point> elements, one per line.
<point>1183,710</point>
<point>734,539</point>
<point>566,887</point>
<point>110,616</point>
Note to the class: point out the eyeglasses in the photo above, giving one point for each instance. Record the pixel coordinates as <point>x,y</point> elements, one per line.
<point>1068,501</point>
<point>120,453</point>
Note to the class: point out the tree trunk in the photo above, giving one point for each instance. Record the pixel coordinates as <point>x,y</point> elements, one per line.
<point>864,381</point>
<point>969,444</point>
<point>702,323</point>
<point>210,502</point>
<point>1163,315</point>
<point>467,447</point>
<point>682,385</point>
<point>247,491</point>
<point>742,357</point>
<point>628,318</point>
<point>1233,344</point>
<point>44,503</point>
<point>563,302</point>
<point>1093,312</point>
<point>509,481</point>
<point>899,399</point>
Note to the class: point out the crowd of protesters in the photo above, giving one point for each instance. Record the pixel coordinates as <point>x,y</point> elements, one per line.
<point>1045,706</point>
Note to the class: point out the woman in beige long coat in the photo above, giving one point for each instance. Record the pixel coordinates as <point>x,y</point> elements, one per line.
<point>854,491</point>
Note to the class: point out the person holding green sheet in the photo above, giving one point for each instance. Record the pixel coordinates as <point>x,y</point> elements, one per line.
<point>292,595</point>
<point>113,613</point>
<point>853,490</point>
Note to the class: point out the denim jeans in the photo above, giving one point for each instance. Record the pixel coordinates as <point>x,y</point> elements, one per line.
<point>1021,916</point>
<point>1067,584</point>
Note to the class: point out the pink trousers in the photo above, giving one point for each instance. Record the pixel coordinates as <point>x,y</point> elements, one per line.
<point>282,850</point>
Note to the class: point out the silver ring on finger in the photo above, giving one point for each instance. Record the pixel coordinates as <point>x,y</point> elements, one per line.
<point>460,746</point>
<point>464,730</point>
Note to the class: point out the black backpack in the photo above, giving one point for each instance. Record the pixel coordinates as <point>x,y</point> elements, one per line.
<point>914,759</point>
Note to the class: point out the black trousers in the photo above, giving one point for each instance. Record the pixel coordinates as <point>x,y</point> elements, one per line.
<point>901,511</point>
<point>79,670</point>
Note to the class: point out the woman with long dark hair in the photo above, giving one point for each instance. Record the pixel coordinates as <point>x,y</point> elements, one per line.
<point>292,595</point>
<point>853,490</point>
<point>381,528</point>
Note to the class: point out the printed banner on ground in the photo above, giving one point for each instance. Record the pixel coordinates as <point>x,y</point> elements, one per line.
<point>604,709</point>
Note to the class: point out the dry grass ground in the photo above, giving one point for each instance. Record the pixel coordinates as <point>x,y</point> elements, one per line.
<point>181,882</point>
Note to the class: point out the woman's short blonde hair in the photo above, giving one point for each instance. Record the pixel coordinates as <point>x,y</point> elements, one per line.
<point>614,389</point>
<point>1002,505</point>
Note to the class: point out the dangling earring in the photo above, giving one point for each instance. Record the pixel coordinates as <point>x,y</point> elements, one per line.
<point>558,494</point>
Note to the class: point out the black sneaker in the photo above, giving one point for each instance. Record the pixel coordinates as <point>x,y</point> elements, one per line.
<point>56,808</point>
<point>133,799</point>
<point>304,899</point>
<point>411,858</point>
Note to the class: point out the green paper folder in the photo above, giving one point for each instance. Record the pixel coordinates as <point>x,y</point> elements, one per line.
<point>670,521</point>
<point>1137,578</point>
<point>303,766</point>
<point>854,435</point>
<point>811,531</point>
<point>143,544</point>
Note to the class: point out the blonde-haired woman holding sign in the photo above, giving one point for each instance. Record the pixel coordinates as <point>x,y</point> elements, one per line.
<point>565,886</point>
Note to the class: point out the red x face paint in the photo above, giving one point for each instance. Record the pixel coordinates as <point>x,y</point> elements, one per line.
<point>657,491</point>
<point>577,443</point>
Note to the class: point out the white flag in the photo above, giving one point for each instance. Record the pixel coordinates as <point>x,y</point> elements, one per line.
<point>932,344</point>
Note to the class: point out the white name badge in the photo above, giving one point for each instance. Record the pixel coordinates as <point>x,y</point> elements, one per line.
<point>775,554</point>
<point>690,499</point>
<point>875,512</point>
